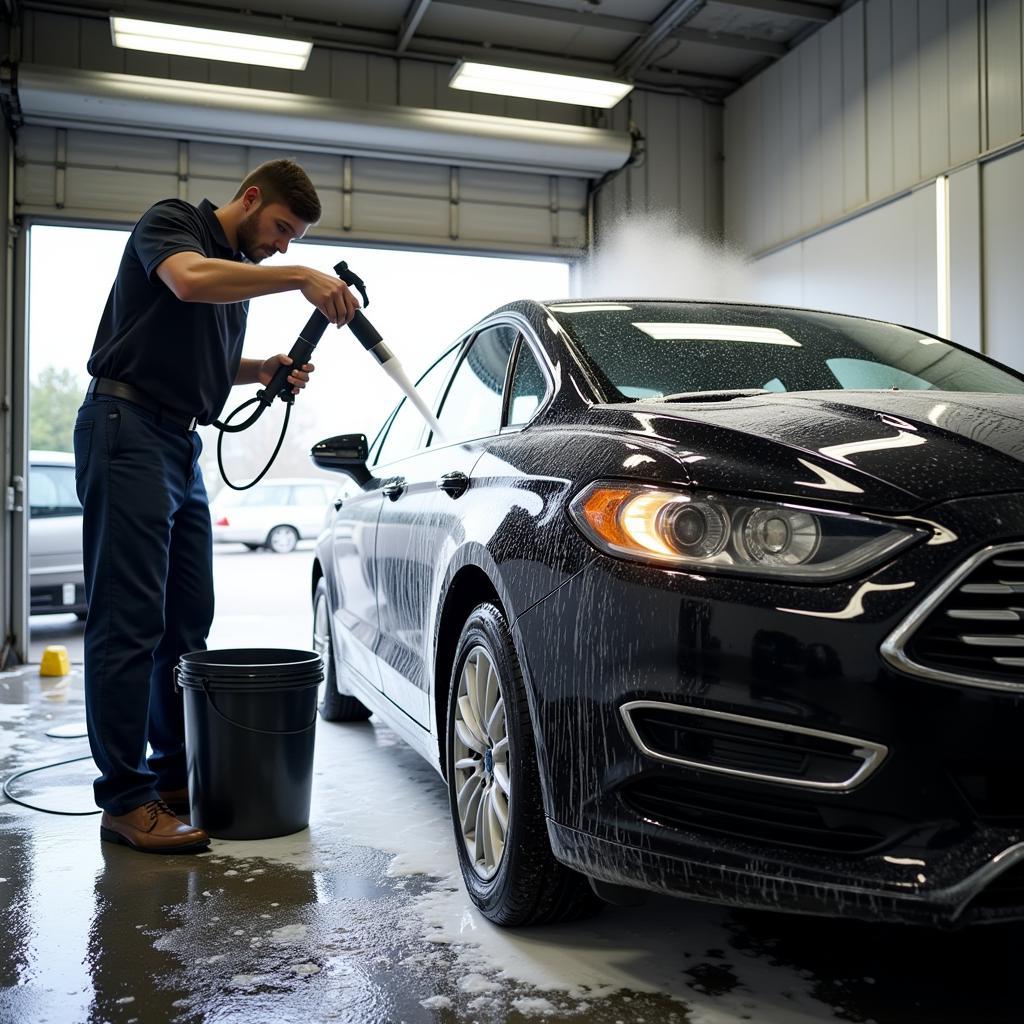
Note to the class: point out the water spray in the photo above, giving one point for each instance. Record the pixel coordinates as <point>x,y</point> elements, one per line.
<point>301,352</point>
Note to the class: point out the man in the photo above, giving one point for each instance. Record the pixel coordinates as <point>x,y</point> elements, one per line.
<point>167,350</point>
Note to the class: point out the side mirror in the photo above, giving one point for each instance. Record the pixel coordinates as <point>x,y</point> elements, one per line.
<point>343,453</point>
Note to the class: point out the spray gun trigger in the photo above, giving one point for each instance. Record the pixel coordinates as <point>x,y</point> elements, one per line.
<point>352,279</point>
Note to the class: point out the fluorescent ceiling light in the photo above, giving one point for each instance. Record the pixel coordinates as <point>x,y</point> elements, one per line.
<point>538,85</point>
<point>209,44</point>
<point>717,332</point>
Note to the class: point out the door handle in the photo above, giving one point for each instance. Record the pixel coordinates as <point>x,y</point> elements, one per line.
<point>453,484</point>
<point>337,504</point>
<point>394,488</point>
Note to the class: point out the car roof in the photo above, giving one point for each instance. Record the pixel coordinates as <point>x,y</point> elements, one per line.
<point>39,457</point>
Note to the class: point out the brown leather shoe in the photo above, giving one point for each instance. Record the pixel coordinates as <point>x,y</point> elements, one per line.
<point>152,828</point>
<point>176,799</point>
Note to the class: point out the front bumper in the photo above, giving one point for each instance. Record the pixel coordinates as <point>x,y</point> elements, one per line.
<point>923,838</point>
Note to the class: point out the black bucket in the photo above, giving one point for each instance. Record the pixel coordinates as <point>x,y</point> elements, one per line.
<point>250,721</point>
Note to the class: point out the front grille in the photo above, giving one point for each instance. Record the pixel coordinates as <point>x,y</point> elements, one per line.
<point>972,629</point>
<point>672,803</point>
<point>1003,897</point>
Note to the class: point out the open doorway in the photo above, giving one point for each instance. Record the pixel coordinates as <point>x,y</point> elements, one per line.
<point>420,302</point>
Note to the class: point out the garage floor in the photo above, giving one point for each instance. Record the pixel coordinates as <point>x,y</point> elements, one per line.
<point>363,918</point>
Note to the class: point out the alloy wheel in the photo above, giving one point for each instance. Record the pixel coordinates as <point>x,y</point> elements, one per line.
<point>282,539</point>
<point>483,789</point>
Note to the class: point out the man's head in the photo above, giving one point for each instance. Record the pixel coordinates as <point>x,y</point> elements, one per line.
<point>278,204</point>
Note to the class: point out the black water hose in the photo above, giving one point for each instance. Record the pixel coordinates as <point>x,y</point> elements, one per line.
<point>300,354</point>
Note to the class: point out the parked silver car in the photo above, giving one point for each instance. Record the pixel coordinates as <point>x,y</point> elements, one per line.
<point>274,515</point>
<point>56,580</point>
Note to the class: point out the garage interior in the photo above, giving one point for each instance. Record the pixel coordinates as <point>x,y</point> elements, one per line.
<point>859,156</point>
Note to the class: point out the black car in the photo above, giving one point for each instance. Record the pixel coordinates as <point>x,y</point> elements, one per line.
<point>719,600</point>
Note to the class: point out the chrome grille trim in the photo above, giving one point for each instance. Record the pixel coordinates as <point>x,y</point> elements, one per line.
<point>871,754</point>
<point>893,649</point>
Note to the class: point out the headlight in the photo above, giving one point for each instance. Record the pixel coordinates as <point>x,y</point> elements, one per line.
<point>687,530</point>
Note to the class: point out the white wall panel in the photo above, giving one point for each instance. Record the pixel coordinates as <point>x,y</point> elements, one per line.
<point>1002,234</point>
<point>855,167</point>
<point>933,70</point>
<point>771,153</point>
<point>964,86</point>
<point>792,163</point>
<point>831,129</point>
<point>848,268</point>
<point>1003,49</point>
<point>881,178</point>
<point>810,132</point>
<point>906,94</point>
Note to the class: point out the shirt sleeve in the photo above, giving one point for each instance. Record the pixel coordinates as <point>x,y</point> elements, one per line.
<point>162,231</point>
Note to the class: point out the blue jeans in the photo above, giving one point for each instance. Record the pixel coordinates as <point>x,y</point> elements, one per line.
<point>148,549</point>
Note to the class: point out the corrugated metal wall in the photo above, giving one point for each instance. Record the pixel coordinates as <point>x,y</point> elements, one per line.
<point>889,94</point>
<point>829,151</point>
<point>681,173</point>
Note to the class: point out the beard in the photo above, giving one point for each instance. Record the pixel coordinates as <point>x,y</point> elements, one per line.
<point>248,233</point>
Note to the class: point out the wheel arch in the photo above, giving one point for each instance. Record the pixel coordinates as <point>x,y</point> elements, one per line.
<point>469,586</point>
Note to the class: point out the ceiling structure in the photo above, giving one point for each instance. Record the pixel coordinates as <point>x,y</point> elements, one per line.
<point>701,47</point>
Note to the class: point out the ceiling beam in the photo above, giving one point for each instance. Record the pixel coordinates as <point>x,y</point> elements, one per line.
<point>639,54</point>
<point>411,22</point>
<point>768,47</point>
<point>792,8</point>
<point>611,23</point>
<point>583,19</point>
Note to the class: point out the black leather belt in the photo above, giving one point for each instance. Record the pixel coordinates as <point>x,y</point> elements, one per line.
<point>130,393</point>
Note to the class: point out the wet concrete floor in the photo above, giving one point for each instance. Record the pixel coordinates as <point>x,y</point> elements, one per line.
<point>362,918</point>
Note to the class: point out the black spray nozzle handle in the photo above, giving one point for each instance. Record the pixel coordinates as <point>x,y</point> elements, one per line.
<point>351,278</point>
<point>310,337</point>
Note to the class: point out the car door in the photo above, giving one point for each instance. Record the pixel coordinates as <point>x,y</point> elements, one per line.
<point>354,533</point>
<point>419,519</point>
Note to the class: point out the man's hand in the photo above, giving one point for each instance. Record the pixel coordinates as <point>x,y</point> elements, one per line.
<point>297,378</point>
<point>330,295</point>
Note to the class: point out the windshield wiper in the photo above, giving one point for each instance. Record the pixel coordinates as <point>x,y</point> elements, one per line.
<point>713,396</point>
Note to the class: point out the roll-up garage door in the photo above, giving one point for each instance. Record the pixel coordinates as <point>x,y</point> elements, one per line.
<point>74,171</point>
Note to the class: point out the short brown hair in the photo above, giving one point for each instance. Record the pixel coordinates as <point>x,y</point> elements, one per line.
<point>284,181</point>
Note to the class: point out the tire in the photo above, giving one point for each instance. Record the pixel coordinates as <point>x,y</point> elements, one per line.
<point>522,884</point>
<point>333,705</point>
<point>282,539</point>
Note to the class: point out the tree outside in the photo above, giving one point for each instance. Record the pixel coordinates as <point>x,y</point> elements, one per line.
<point>54,398</point>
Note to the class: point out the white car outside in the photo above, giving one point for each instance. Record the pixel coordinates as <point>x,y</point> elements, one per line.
<point>56,578</point>
<point>275,514</point>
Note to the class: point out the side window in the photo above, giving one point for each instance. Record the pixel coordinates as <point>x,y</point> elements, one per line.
<point>263,497</point>
<point>52,490</point>
<point>528,387</point>
<point>472,407</point>
<point>406,430</point>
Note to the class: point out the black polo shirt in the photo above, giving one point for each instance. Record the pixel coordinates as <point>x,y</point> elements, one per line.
<point>184,354</point>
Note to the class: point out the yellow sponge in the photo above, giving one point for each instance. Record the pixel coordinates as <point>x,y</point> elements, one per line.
<point>55,661</point>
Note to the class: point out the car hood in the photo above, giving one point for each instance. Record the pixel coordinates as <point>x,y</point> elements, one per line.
<point>882,449</point>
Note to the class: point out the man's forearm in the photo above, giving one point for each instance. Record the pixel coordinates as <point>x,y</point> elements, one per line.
<point>213,280</point>
<point>248,372</point>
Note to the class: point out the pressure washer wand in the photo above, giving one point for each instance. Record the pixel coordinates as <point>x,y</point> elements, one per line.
<point>300,353</point>
<point>368,336</point>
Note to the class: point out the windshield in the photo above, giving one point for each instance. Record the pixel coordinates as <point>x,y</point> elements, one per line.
<point>650,350</point>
